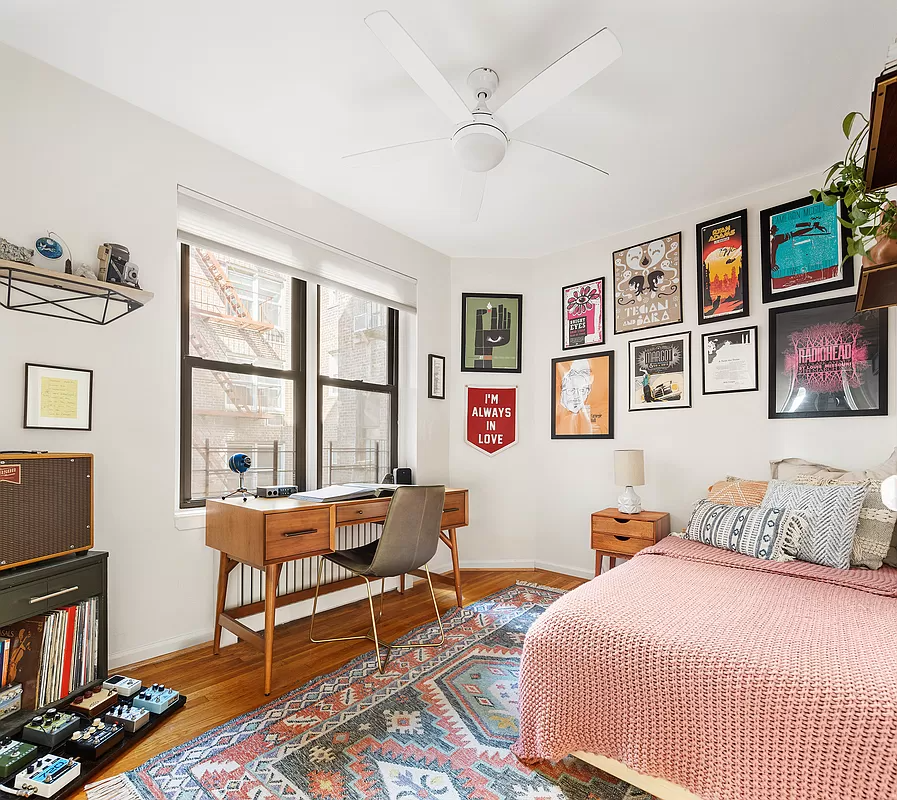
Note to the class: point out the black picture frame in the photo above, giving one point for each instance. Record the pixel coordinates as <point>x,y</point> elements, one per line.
<point>88,372</point>
<point>564,321</point>
<point>619,268</point>
<point>685,339</point>
<point>742,217</point>
<point>431,362</point>
<point>722,334</point>
<point>516,326</point>
<point>880,357</point>
<point>845,264</point>
<point>604,354</point>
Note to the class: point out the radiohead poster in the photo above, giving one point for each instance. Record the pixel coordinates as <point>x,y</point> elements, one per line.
<point>660,372</point>
<point>647,285</point>
<point>722,275</point>
<point>827,360</point>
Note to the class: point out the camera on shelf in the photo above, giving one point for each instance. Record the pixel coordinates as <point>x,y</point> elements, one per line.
<point>116,265</point>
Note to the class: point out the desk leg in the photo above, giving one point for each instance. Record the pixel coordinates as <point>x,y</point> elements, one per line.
<point>225,566</point>
<point>455,568</point>
<point>402,583</point>
<point>272,577</point>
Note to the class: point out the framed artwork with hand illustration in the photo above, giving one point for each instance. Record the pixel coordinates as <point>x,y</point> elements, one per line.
<point>491,326</point>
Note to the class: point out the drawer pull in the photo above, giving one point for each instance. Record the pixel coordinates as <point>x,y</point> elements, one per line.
<point>360,511</point>
<point>450,510</point>
<point>622,521</point>
<point>53,594</point>
<point>300,533</point>
<point>622,538</point>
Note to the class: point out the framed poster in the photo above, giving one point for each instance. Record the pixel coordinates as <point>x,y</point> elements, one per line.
<point>722,251</point>
<point>583,310</point>
<point>729,361</point>
<point>660,372</point>
<point>827,360</point>
<point>802,249</point>
<point>647,285</point>
<point>582,396</point>
<point>490,332</point>
<point>436,377</point>
<point>58,398</point>
<point>491,418</point>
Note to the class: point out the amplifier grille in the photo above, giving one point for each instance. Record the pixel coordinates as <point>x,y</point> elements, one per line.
<point>48,512</point>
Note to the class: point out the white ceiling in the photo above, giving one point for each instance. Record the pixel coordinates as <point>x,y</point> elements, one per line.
<point>711,99</point>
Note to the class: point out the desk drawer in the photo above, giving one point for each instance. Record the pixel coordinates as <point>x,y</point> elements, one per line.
<point>620,526</point>
<point>370,509</point>
<point>297,534</point>
<point>15,603</point>
<point>624,545</point>
<point>455,514</point>
<point>75,586</point>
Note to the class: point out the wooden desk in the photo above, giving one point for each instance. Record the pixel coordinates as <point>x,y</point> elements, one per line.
<point>266,534</point>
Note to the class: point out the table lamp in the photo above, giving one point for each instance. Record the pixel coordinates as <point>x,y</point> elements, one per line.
<point>629,471</point>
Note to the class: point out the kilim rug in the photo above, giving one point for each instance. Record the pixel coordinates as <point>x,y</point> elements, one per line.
<point>437,725</point>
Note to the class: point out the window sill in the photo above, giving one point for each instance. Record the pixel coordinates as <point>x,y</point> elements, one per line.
<point>190,519</point>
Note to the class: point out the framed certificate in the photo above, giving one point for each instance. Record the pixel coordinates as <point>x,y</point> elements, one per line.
<point>729,361</point>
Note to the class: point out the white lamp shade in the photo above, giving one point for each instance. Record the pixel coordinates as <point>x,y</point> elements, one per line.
<point>629,467</point>
<point>889,492</point>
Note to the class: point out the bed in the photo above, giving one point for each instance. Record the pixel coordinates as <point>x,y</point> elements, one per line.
<point>692,671</point>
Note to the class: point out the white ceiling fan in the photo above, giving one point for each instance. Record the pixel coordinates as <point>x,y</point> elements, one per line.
<point>480,141</point>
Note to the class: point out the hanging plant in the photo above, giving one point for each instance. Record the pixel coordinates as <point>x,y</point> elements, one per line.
<point>872,217</point>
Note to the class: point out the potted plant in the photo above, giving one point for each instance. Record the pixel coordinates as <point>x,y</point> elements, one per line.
<point>872,217</point>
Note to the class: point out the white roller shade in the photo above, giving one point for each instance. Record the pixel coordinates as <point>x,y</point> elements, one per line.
<point>212,225</point>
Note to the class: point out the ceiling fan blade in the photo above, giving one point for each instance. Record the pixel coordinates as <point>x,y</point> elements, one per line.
<point>415,62</point>
<point>473,186</point>
<point>394,153</point>
<point>564,76</point>
<point>563,155</point>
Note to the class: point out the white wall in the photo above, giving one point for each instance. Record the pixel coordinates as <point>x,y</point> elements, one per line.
<point>539,494</point>
<point>94,169</point>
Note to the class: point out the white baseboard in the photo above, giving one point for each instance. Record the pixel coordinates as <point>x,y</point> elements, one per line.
<point>565,570</point>
<point>505,563</point>
<point>160,648</point>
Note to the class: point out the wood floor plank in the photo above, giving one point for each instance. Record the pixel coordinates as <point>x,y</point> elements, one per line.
<point>222,687</point>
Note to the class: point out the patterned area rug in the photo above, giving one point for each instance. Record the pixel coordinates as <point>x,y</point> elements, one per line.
<point>437,725</point>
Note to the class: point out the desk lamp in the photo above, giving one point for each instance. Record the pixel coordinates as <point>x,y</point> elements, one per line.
<point>629,471</point>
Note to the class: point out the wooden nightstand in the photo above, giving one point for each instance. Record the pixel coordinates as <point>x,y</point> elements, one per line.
<point>615,534</point>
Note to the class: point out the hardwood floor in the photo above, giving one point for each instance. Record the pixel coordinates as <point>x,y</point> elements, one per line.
<point>222,687</point>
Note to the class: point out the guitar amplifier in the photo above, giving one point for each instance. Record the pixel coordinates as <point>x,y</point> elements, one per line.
<point>46,506</point>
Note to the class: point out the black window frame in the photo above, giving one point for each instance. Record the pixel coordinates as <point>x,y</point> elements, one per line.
<point>296,373</point>
<point>391,387</point>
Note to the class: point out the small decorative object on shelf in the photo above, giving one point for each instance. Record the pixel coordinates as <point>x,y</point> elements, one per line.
<point>51,248</point>
<point>615,534</point>
<point>629,471</point>
<point>115,265</point>
<point>12,252</point>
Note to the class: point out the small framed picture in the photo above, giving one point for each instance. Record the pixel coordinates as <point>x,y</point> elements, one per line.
<point>436,377</point>
<point>802,248</point>
<point>660,372</point>
<point>722,252</point>
<point>491,326</point>
<point>58,398</point>
<point>583,314</point>
<point>582,396</point>
<point>729,361</point>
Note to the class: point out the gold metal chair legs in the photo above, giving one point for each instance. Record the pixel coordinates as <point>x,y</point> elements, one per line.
<point>372,635</point>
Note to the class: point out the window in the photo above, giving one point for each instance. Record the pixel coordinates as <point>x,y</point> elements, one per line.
<point>357,388</point>
<point>243,376</point>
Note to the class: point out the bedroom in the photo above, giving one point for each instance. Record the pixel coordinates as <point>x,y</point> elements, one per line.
<point>161,125</point>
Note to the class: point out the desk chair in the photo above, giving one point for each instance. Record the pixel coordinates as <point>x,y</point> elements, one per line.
<point>409,540</point>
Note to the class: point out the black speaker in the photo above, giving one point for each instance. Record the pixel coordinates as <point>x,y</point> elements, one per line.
<point>402,476</point>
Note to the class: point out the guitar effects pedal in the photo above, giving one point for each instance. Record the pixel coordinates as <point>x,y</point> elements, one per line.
<point>51,728</point>
<point>15,755</point>
<point>95,740</point>
<point>47,775</point>
<point>126,687</point>
<point>130,718</point>
<point>156,698</point>
<point>95,702</point>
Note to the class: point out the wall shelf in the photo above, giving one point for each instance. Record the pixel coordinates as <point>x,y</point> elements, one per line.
<point>36,290</point>
<point>881,153</point>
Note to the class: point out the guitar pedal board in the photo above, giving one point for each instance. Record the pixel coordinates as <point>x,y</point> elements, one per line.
<point>156,698</point>
<point>130,718</point>
<point>15,755</point>
<point>95,740</point>
<point>46,776</point>
<point>50,728</point>
<point>126,687</point>
<point>94,703</point>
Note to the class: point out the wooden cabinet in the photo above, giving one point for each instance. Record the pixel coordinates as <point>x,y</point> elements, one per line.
<point>615,534</point>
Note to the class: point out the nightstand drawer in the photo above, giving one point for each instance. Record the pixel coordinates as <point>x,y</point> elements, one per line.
<point>620,526</point>
<point>299,533</point>
<point>624,545</point>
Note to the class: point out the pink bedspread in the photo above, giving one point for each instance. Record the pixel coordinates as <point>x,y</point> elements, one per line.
<point>735,678</point>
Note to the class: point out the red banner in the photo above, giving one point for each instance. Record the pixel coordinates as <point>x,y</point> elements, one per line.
<point>491,418</point>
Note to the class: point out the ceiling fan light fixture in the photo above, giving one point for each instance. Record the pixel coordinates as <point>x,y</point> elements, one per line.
<point>479,145</point>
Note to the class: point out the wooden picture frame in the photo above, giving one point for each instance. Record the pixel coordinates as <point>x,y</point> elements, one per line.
<point>660,367</point>
<point>723,268</point>
<point>489,321</point>
<point>58,398</point>
<point>582,396</point>
<point>582,308</point>
<point>740,368</point>
<point>436,377</point>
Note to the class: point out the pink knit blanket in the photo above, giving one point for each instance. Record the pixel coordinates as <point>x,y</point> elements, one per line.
<point>736,678</point>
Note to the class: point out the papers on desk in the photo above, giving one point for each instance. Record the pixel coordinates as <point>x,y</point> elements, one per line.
<point>332,494</point>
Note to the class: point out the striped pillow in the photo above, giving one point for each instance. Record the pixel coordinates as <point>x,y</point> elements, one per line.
<point>772,534</point>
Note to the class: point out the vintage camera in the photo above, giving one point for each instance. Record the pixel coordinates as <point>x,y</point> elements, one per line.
<point>115,265</point>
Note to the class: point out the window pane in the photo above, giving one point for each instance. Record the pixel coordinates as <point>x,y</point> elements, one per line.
<point>354,337</point>
<point>234,413</point>
<point>239,311</point>
<point>355,440</point>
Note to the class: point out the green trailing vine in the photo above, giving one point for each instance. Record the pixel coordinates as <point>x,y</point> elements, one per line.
<point>870,213</point>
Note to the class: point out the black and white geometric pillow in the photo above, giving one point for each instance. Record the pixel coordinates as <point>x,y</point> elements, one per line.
<point>772,534</point>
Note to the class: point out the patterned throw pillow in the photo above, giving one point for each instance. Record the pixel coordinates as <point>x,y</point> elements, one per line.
<point>737,492</point>
<point>833,511</point>
<point>772,534</point>
<point>875,528</point>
